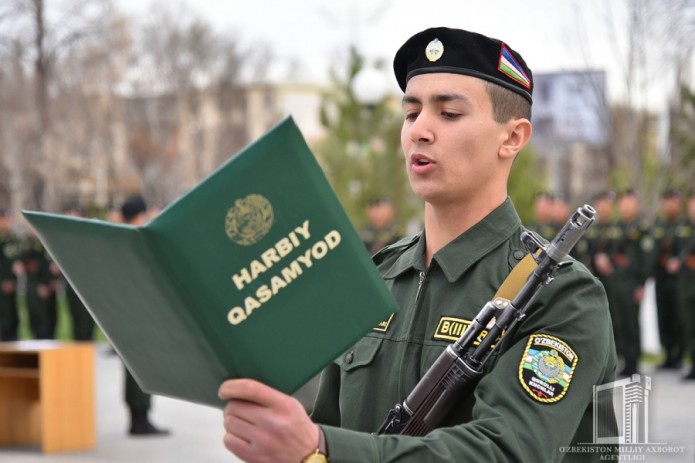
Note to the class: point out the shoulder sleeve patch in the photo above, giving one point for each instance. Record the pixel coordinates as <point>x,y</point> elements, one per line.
<point>546,368</point>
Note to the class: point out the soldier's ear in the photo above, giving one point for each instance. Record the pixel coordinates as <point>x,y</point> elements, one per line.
<point>518,134</point>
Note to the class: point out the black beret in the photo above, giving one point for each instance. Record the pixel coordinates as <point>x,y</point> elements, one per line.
<point>132,207</point>
<point>442,49</point>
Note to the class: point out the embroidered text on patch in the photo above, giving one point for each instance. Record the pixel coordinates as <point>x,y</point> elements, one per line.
<point>546,368</point>
<point>451,329</point>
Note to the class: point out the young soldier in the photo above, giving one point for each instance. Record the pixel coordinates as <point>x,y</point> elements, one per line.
<point>36,265</point>
<point>9,251</point>
<point>467,114</point>
<point>631,257</point>
<point>668,315</point>
<point>543,215</point>
<point>382,228</point>
<point>682,263</point>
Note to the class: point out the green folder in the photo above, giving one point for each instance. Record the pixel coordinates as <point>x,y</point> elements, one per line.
<point>256,272</point>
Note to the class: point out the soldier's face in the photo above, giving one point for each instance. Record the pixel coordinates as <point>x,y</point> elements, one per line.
<point>543,209</point>
<point>450,139</point>
<point>629,207</point>
<point>671,207</point>
<point>691,209</point>
<point>604,208</point>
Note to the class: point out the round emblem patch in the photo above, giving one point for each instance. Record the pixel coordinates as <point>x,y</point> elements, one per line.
<point>434,50</point>
<point>249,220</point>
<point>546,368</point>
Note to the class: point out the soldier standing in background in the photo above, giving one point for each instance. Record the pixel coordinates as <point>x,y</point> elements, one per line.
<point>682,263</point>
<point>561,212</point>
<point>598,239</point>
<point>543,215</point>
<point>630,256</point>
<point>36,265</point>
<point>668,315</point>
<point>382,229</point>
<point>9,251</point>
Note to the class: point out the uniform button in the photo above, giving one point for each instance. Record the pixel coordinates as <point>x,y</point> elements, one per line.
<point>518,255</point>
<point>349,357</point>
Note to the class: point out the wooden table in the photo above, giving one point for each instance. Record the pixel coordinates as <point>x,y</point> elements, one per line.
<point>47,395</point>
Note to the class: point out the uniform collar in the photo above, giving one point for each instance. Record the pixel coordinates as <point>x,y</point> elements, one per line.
<point>465,250</point>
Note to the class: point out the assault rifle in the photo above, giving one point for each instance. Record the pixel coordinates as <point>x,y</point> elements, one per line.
<point>458,369</point>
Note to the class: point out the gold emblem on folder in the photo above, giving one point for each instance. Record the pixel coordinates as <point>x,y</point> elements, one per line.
<point>249,220</point>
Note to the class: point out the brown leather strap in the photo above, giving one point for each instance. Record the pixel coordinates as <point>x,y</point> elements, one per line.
<point>516,278</point>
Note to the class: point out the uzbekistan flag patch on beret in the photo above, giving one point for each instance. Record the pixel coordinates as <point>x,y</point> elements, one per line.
<point>511,68</point>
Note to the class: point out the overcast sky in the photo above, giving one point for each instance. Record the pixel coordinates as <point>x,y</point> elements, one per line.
<point>551,35</point>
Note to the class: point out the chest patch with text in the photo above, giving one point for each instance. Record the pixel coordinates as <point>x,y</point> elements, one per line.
<point>451,328</point>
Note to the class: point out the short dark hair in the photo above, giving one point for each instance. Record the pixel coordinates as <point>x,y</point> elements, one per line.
<point>507,105</point>
<point>132,207</point>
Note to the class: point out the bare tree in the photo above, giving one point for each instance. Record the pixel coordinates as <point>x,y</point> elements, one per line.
<point>650,40</point>
<point>182,70</point>
<point>45,35</point>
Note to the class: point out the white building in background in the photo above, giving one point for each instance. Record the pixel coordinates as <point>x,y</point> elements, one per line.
<point>167,143</point>
<point>571,130</point>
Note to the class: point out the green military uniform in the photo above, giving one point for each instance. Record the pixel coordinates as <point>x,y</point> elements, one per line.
<point>514,414</point>
<point>9,316</point>
<point>599,238</point>
<point>684,250</point>
<point>631,256</point>
<point>668,315</point>
<point>42,309</point>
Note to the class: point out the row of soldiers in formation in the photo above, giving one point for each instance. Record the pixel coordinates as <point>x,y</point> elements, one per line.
<point>23,258</point>
<point>620,248</point>
<point>623,250</point>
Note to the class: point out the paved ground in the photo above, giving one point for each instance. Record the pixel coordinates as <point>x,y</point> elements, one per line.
<point>197,430</point>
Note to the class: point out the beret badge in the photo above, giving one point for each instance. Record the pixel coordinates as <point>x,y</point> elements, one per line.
<point>434,50</point>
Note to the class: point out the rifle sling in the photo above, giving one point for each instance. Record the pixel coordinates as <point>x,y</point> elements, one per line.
<point>516,278</point>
